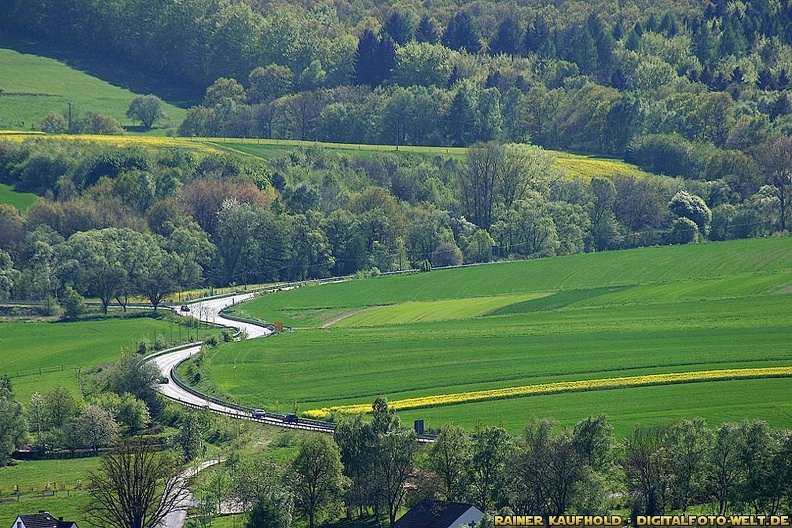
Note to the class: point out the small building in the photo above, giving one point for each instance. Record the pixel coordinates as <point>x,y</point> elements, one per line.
<point>440,514</point>
<point>42,519</point>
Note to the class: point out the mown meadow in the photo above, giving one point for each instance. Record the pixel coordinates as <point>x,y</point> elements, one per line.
<point>57,486</point>
<point>680,309</point>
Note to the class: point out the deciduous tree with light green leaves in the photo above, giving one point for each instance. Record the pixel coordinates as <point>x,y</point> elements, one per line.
<point>317,478</point>
<point>147,109</point>
<point>13,427</point>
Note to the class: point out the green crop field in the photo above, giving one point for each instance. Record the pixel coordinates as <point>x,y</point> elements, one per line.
<point>34,85</point>
<point>681,309</point>
<point>20,200</point>
<point>574,165</point>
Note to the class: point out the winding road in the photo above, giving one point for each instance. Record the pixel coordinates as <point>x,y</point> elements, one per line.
<point>207,311</point>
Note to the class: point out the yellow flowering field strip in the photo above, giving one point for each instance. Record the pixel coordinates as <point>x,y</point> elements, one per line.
<point>563,386</point>
<point>147,142</point>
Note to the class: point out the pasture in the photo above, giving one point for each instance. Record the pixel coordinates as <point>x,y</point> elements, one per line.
<point>53,485</point>
<point>39,356</point>
<point>608,315</point>
<point>34,86</point>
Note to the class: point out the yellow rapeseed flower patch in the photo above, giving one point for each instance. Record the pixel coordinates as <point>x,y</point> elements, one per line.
<point>147,142</point>
<point>563,386</point>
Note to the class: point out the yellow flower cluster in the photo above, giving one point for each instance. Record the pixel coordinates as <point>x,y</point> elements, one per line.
<point>563,386</point>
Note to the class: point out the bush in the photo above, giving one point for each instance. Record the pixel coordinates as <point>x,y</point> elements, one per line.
<point>683,231</point>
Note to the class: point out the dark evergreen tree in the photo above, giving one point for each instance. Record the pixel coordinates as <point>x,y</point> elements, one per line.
<point>374,59</point>
<point>537,36</point>
<point>400,27</point>
<point>618,80</point>
<point>461,120</point>
<point>460,34</point>
<point>605,45</point>
<point>508,38</point>
<point>780,107</point>
<point>704,43</point>
<point>594,24</point>
<point>737,75</point>
<point>633,41</point>
<point>493,79</point>
<point>732,41</point>
<point>455,76</point>
<point>580,48</point>
<point>427,32</point>
<point>783,79</point>
<point>618,30</point>
<point>366,59</point>
<point>670,24</point>
<point>651,23</point>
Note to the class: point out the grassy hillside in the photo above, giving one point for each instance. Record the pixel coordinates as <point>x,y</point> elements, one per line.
<point>34,85</point>
<point>57,486</point>
<point>687,309</point>
<point>39,356</point>
<point>685,265</point>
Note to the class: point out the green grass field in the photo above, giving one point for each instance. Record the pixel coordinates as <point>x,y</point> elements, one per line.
<point>39,356</point>
<point>629,313</point>
<point>36,481</point>
<point>34,85</point>
<point>20,200</point>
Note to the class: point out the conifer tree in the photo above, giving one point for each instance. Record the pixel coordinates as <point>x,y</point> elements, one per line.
<point>426,31</point>
<point>460,34</point>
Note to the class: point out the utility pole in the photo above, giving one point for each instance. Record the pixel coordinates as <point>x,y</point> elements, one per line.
<point>70,119</point>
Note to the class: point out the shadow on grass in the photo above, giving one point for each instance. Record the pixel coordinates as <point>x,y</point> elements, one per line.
<point>555,301</point>
<point>119,73</point>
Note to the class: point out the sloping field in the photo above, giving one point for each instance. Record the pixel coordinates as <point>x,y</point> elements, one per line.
<point>582,275</point>
<point>39,356</point>
<point>33,86</point>
<point>426,311</point>
<point>683,310</point>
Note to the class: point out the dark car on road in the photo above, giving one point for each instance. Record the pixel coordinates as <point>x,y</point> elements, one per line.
<point>184,308</point>
<point>290,418</point>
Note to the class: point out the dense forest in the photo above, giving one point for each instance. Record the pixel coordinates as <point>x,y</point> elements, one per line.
<point>579,76</point>
<point>697,92</point>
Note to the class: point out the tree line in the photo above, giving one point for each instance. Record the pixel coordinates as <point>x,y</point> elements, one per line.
<point>597,78</point>
<point>375,468</point>
<point>116,223</point>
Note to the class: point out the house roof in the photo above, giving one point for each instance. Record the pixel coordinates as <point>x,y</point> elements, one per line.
<point>44,519</point>
<point>434,514</point>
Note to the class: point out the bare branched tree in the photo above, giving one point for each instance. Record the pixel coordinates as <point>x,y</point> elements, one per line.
<point>134,488</point>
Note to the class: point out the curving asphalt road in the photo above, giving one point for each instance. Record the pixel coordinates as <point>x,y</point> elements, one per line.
<point>207,311</point>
